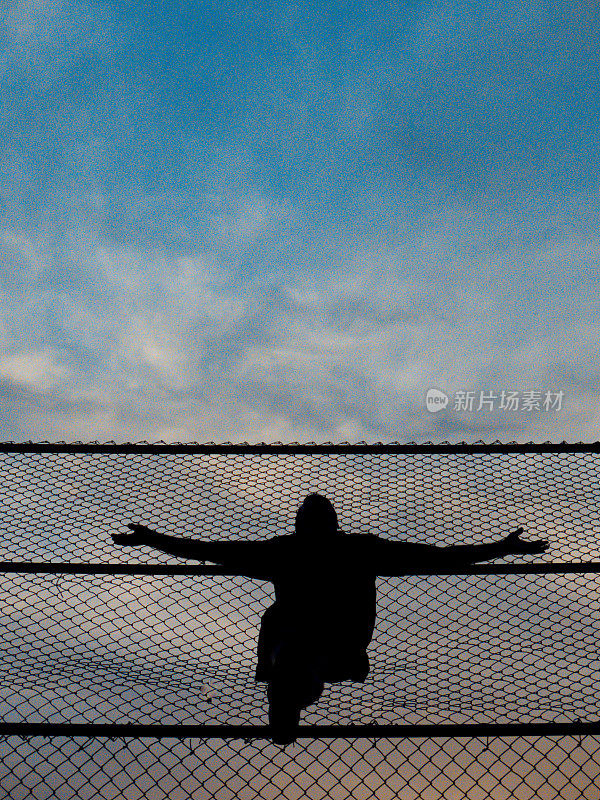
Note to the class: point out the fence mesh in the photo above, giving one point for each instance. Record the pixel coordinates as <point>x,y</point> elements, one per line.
<point>466,768</point>
<point>180,649</point>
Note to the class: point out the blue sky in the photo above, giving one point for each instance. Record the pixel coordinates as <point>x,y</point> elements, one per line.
<point>288,222</point>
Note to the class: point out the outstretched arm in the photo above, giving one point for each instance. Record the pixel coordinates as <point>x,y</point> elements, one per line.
<point>510,545</point>
<point>243,555</point>
<point>389,555</point>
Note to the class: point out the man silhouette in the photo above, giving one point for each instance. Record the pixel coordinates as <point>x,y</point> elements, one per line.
<point>322,621</point>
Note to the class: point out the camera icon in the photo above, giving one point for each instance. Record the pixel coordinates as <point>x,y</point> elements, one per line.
<point>436,400</point>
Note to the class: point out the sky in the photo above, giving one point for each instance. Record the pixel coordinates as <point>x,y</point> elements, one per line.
<point>287,222</point>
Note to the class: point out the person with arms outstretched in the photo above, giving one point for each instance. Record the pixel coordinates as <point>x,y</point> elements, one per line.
<point>322,621</point>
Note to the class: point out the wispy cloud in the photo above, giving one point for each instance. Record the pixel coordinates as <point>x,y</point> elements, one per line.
<point>400,199</point>
<point>149,342</point>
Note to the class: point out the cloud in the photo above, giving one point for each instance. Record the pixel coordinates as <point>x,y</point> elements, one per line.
<point>36,370</point>
<point>220,220</point>
<point>41,40</point>
<point>328,358</point>
<point>471,100</point>
<point>35,23</point>
<point>152,340</point>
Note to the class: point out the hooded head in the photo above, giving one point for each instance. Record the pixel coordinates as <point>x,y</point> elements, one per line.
<point>316,517</point>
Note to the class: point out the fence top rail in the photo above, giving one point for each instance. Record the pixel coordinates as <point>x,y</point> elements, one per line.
<point>28,567</point>
<point>296,447</point>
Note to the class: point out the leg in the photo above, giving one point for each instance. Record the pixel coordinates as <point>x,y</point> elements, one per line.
<point>350,665</point>
<point>296,682</point>
<point>284,714</point>
<point>268,637</point>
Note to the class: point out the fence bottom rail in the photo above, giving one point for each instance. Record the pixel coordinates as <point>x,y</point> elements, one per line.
<point>307,731</point>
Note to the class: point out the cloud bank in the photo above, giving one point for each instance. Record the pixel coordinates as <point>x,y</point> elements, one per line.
<point>290,226</point>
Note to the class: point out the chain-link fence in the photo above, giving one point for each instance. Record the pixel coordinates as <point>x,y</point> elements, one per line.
<point>202,769</point>
<point>90,646</point>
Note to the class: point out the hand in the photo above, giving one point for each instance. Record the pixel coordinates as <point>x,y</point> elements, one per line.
<point>518,546</point>
<point>141,535</point>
